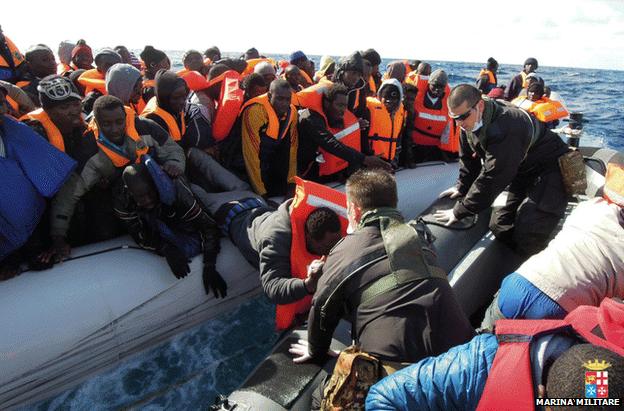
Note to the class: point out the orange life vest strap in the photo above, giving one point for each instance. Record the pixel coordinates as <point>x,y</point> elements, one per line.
<point>93,80</point>
<point>176,132</point>
<point>54,135</point>
<point>274,124</point>
<point>117,159</point>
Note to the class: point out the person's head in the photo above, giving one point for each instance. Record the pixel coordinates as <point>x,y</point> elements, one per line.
<point>396,70</point>
<point>409,96</point>
<point>368,189</point>
<point>350,71</point>
<point>266,70</point>
<point>82,56</point>
<point>215,71</point>
<point>110,117</point>
<point>140,185</point>
<point>252,53</point>
<point>126,57</point>
<point>4,109</point>
<point>373,58</point>
<point>171,91</point>
<point>254,86</point>
<point>565,377</point>
<point>530,65</point>
<point>492,64</point>
<point>322,231</point>
<point>391,94</point>
<point>299,59</point>
<point>368,70</point>
<point>295,78</point>
<point>280,95</point>
<point>438,80</point>
<point>193,60</point>
<point>154,60</point>
<point>64,51</point>
<point>414,64</point>
<point>547,91</point>
<point>105,59</point>
<point>124,82</point>
<point>41,62</point>
<point>335,102</point>
<point>534,78</point>
<point>466,106</point>
<point>328,66</point>
<point>535,91</point>
<point>424,69</point>
<point>213,53</point>
<point>61,102</point>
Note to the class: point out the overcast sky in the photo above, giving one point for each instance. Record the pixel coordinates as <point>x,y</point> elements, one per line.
<point>571,33</point>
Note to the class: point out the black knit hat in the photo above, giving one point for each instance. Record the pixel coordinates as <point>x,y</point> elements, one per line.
<point>372,56</point>
<point>151,55</point>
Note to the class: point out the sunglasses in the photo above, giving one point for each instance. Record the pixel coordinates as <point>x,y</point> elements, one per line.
<point>464,116</point>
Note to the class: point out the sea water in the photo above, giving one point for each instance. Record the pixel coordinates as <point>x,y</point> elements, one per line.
<point>188,371</point>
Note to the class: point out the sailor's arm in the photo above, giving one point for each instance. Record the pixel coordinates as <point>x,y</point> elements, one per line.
<point>314,128</point>
<point>503,156</point>
<point>324,316</point>
<point>469,165</point>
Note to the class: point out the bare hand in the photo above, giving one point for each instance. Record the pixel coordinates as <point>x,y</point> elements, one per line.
<point>173,170</point>
<point>451,192</point>
<point>447,217</point>
<point>301,350</point>
<point>315,270</point>
<point>59,251</point>
<point>377,162</point>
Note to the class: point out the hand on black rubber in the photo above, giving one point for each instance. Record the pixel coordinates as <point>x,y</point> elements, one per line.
<point>177,261</point>
<point>213,280</point>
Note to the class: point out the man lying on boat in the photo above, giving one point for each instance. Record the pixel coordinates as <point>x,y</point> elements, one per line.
<point>582,265</point>
<point>179,230</point>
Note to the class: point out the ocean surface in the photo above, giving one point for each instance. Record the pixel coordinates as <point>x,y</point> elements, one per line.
<point>187,372</point>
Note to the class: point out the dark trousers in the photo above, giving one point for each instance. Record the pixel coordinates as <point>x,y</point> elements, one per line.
<point>535,205</point>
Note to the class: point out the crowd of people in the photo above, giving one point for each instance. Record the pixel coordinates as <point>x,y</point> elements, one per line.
<point>99,145</point>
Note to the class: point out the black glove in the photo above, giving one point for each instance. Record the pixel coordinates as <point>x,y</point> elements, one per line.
<point>177,261</point>
<point>212,279</point>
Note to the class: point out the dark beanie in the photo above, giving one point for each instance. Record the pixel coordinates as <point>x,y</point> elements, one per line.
<point>151,55</point>
<point>354,62</point>
<point>166,83</point>
<point>492,61</point>
<point>531,60</point>
<point>372,56</point>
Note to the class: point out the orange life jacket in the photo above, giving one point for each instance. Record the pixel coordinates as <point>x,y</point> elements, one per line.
<point>138,107</point>
<point>131,131</point>
<point>512,361</point>
<point>429,124</point>
<point>17,57</point>
<point>417,80</point>
<point>491,76</point>
<point>176,132</point>
<point>371,85</point>
<point>449,141</point>
<point>307,77</point>
<point>252,63</point>
<point>54,135</point>
<point>308,196</point>
<point>194,80</point>
<point>384,130</point>
<point>614,184</point>
<point>349,135</point>
<point>62,68</point>
<point>544,109</point>
<point>274,124</point>
<point>93,80</point>
<point>229,105</point>
<point>312,97</point>
<point>23,83</point>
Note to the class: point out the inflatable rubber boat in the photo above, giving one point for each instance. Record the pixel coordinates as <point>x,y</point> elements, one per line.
<point>112,299</point>
<point>476,264</point>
